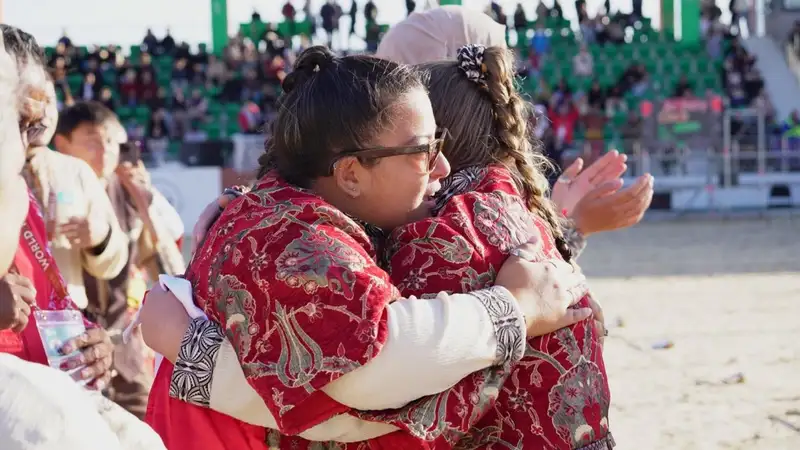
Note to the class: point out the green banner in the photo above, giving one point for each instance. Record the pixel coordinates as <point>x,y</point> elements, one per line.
<point>449,2</point>
<point>219,25</point>
<point>668,17</point>
<point>690,21</point>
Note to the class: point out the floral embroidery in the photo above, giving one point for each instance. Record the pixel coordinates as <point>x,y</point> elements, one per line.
<point>293,283</point>
<point>557,396</point>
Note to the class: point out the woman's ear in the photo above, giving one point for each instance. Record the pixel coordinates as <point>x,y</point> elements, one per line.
<point>349,176</point>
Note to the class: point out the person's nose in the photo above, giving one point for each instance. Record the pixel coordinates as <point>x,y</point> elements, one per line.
<point>441,167</point>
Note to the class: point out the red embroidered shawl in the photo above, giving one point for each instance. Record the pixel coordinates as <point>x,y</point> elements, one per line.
<point>293,282</point>
<point>557,397</point>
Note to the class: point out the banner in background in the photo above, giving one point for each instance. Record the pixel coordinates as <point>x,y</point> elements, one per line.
<point>246,150</point>
<point>695,123</point>
<point>188,189</point>
<point>219,25</point>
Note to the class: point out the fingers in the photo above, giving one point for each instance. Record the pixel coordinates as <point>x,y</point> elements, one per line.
<point>22,287</point>
<point>101,382</point>
<point>572,317</point>
<point>631,203</point>
<point>21,320</point>
<point>574,169</point>
<point>92,337</point>
<point>605,164</point>
<point>601,331</point>
<point>97,371</point>
<point>597,310</point>
<point>606,188</point>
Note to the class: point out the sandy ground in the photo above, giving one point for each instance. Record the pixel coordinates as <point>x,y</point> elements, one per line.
<point>727,294</point>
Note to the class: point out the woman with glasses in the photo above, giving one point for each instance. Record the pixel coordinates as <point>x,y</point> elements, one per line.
<point>300,313</point>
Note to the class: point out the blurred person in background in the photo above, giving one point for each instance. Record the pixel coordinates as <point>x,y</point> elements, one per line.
<point>36,280</point>
<point>153,229</point>
<point>41,407</point>
<point>13,192</point>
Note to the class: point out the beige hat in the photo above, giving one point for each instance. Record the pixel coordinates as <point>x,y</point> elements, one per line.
<point>438,33</point>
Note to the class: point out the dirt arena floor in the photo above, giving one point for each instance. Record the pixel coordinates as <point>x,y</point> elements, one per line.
<point>726,293</point>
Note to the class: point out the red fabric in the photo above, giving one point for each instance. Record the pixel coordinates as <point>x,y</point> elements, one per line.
<point>470,240</point>
<point>293,281</point>
<point>557,397</point>
<point>27,345</point>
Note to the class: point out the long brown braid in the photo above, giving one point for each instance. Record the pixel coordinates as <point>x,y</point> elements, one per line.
<point>493,131</point>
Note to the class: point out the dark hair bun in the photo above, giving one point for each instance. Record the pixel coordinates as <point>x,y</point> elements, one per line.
<point>310,62</point>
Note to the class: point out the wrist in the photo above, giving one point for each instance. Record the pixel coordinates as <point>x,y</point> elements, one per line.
<point>527,308</point>
<point>182,332</point>
<point>579,226</point>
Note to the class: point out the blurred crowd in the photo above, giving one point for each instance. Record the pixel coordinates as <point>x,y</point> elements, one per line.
<point>167,93</point>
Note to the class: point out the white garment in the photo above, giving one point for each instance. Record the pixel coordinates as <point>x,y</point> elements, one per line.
<point>182,290</point>
<point>42,408</point>
<point>583,64</point>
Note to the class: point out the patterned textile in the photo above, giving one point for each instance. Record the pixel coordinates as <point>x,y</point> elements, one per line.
<point>557,397</point>
<point>294,283</point>
<point>470,60</point>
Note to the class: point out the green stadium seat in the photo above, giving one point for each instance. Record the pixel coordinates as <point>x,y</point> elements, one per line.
<point>124,112</point>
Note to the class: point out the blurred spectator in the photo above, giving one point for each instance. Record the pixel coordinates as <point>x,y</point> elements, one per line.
<point>353,15</point>
<point>107,98</point>
<point>197,107</point>
<point>583,63</point>
<point>128,88</point>
<point>150,41</point>
<point>595,96</point>
<point>683,88</point>
<point>631,133</point>
<point>594,122</point>
<point>90,88</point>
<point>564,117</point>
<point>411,5</point>
<point>614,102</point>
<point>328,15</point>
<point>147,88</point>
<point>370,12</point>
<point>289,15</point>
<point>250,118</point>
<point>540,42</point>
<point>588,31</point>
<point>520,23</point>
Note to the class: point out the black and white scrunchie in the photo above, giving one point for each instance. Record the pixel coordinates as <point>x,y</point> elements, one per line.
<point>470,60</point>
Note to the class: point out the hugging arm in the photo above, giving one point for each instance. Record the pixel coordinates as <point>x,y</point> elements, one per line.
<point>427,346</point>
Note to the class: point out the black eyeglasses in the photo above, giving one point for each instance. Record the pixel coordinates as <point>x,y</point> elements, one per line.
<point>433,149</point>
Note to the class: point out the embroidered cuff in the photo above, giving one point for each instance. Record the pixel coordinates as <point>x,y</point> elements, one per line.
<point>194,369</point>
<point>576,241</point>
<point>508,321</point>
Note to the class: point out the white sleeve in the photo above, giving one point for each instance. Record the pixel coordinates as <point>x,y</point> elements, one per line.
<point>431,345</point>
<point>167,215</point>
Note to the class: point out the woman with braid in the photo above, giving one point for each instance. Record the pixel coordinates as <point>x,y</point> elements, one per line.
<point>296,321</point>
<point>557,396</point>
